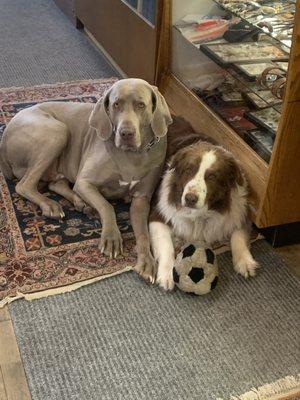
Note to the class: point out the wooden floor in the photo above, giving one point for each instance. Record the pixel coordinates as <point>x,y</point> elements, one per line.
<point>13,384</point>
<point>291,255</point>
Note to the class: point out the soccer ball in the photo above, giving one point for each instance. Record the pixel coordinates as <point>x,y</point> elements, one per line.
<point>195,270</point>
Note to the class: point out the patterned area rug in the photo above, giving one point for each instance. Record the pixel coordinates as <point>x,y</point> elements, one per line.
<point>39,254</point>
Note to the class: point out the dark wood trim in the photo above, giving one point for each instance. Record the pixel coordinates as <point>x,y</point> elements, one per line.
<point>164,15</point>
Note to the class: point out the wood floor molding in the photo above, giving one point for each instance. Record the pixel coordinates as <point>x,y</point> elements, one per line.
<point>291,395</point>
<point>13,383</point>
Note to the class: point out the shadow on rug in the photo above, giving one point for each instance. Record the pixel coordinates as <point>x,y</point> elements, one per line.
<point>36,253</point>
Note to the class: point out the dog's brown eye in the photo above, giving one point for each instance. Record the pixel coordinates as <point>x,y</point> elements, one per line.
<point>116,104</point>
<point>141,105</point>
<point>211,176</point>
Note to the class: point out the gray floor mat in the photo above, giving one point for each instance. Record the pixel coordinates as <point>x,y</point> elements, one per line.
<point>123,339</point>
<point>38,44</point>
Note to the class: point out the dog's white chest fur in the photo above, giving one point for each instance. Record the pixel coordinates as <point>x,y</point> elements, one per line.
<point>191,227</point>
<point>130,184</point>
<point>202,228</point>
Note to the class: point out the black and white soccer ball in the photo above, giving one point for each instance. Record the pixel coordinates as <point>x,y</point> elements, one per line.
<point>195,270</point>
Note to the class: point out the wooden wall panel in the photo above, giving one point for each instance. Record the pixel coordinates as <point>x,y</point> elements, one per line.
<point>293,80</point>
<point>128,38</point>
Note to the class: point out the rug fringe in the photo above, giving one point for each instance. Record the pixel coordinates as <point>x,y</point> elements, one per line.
<point>222,248</point>
<point>59,290</point>
<point>287,388</point>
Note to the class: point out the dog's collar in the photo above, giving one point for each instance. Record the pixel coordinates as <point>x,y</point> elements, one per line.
<point>151,144</point>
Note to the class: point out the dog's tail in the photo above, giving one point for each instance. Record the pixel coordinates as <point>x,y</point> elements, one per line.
<point>5,167</point>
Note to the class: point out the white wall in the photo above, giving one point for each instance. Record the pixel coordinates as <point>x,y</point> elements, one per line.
<point>188,63</point>
<point>180,8</point>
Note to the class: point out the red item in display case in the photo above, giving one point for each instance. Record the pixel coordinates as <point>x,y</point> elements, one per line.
<point>235,117</point>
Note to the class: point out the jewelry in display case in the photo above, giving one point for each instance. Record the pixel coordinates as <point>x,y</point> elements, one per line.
<point>251,70</point>
<point>267,118</point>
<point>229,53</point>
<point>274,17</point>
<point>261,142</point>
<point>261,99</point>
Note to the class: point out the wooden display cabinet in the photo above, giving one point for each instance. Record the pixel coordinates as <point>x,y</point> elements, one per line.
<point>275,185</point>
<point>127,30</point>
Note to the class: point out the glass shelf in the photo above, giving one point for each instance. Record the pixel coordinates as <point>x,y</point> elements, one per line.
<point>220,49</point>
<point>254,114</point>
<point>236,95</point>
<point>274,18</point>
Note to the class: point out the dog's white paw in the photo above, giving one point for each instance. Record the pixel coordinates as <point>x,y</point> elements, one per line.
<point>165,280</point>
<point>246,266</point>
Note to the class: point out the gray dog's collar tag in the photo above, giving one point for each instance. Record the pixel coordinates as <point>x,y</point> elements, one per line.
<point>151,144</point>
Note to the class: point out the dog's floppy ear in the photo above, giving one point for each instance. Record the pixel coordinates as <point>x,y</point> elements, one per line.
<point>234,175</point>
<point>99,118</point>
<point>161,118</point>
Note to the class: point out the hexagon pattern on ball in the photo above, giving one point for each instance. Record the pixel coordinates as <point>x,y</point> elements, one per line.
<point>195,270</point>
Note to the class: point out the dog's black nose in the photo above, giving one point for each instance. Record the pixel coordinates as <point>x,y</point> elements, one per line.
<point>191,199</point>
<point>127,134</point>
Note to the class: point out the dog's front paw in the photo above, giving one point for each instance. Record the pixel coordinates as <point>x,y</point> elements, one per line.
<point>146,267</point>
<point>246,266</point>
<point>165,280</point>
<point>111,242</point>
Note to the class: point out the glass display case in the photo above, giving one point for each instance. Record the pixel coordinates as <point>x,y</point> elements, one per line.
<point>125,30</point>
<point>234,55</point>
<point>232,69</point>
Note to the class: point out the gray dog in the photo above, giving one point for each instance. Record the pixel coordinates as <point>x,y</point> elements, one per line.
<point>113,149</point>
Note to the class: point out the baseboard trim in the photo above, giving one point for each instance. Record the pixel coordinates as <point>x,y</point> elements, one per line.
<point>282,235</point>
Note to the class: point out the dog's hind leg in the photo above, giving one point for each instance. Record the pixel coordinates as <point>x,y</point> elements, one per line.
<point>5,168</point>
<point>62,188</point>
<point>27,186</point>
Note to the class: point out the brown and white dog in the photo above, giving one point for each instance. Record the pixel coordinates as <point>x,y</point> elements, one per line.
<point>202,199</point>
